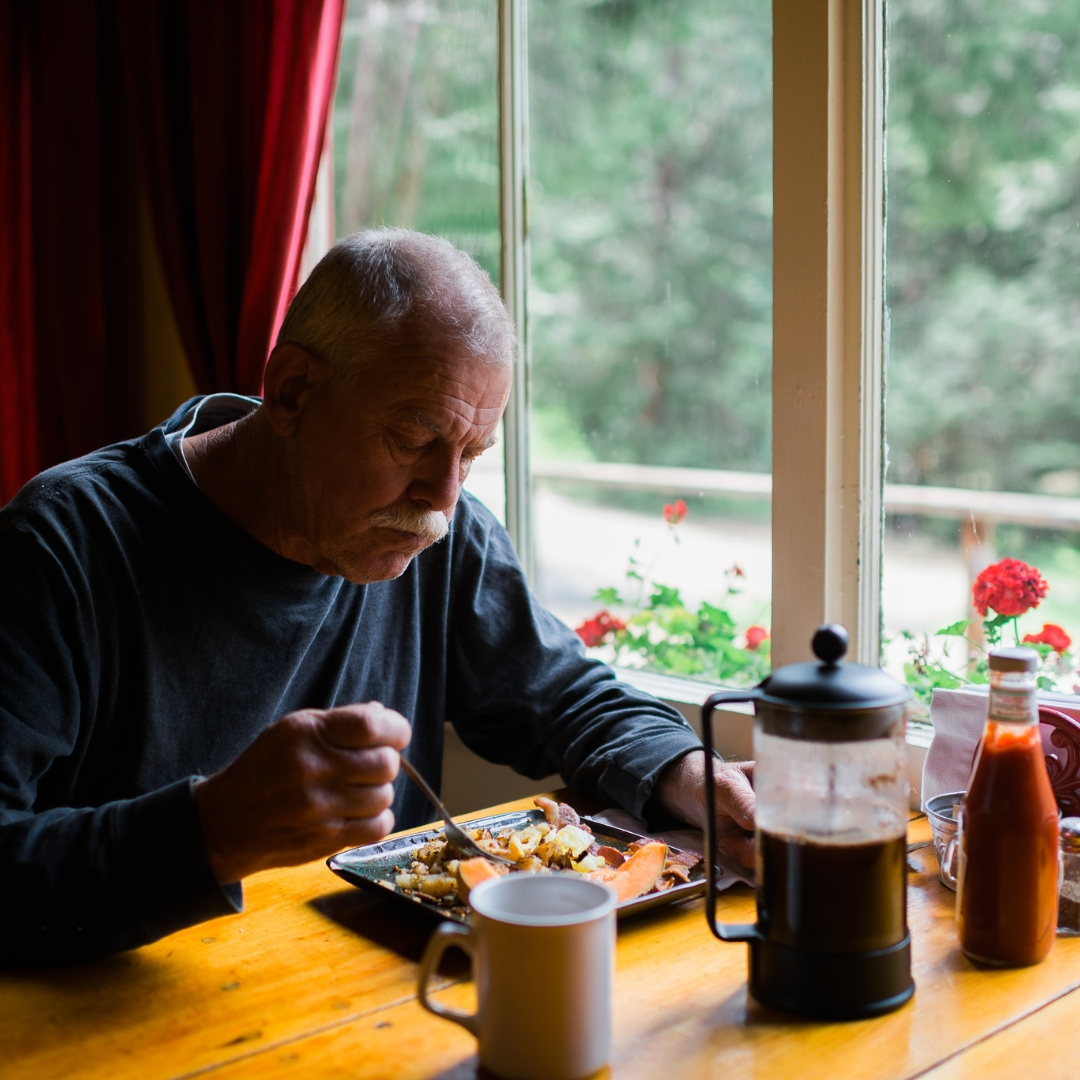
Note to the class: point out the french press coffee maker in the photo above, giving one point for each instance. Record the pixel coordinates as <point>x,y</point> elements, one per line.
<point>831,937</point>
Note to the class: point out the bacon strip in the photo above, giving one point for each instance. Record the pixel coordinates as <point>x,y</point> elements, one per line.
<point>551,810</point>
<point>560,814</point>
<point>612,856</point>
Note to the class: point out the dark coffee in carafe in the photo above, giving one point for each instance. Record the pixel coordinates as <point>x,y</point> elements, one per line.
<point>831,897</point>
<point>831,936</point>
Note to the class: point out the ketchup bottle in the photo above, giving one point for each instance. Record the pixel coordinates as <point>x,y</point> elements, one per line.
<point>1006,897</point>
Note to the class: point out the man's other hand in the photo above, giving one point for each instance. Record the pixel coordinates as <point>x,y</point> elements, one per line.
<point>315,782</point>
<point>681,791</point>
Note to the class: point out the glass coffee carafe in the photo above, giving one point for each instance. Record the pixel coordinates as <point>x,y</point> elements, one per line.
<point>831,937</point>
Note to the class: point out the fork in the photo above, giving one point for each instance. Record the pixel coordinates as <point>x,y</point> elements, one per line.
<point>454,832</point>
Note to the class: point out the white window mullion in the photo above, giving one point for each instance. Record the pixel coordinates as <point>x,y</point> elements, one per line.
<point>827,323</point>
<point>865,322</point>
<point>513,222</point>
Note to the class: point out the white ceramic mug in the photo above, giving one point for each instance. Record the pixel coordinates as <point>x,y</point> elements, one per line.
<point>543,957</point>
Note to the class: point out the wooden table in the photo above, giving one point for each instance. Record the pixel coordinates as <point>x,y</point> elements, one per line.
<point>317,979</point>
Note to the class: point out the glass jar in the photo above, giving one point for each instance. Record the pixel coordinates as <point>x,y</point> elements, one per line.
<point>1068,924</point>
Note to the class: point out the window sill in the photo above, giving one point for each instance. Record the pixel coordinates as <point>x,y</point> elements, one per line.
<point>734,737</point>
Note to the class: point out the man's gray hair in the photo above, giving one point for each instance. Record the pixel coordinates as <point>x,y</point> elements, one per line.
<point>370,285</point>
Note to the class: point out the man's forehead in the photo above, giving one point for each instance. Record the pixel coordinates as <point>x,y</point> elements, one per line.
<point>438,392</point>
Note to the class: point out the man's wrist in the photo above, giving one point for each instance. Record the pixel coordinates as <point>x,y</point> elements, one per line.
<point>220,865</point>
<point>679,790</point>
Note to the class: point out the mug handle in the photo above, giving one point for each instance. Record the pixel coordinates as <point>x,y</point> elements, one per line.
<point>445,937</point>
<point>724,931</point>
<point>948,857</point>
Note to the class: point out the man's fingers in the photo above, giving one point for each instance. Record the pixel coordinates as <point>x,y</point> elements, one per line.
<point>370,724</point>
<point>366,830</point>
<point>362,800</point>
<point>740,848</point>
<point>736,796</point>
<point>371,765</point>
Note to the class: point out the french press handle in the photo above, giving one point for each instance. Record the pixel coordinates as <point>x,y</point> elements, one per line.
<point>724,931</point>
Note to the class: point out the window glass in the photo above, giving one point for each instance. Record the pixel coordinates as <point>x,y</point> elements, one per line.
<point>416,135</point>
<point>650,327</point>
<point>983,286</point>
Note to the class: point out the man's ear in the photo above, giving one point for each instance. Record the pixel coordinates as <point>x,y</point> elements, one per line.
<point>290,376</point>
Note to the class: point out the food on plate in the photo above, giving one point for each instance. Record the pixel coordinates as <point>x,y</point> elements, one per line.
<point>638,874</point>
<point>562,842</point>
<point>470,872</point>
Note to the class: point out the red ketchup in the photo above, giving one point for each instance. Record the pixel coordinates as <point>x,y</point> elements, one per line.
<point>1007,889</point>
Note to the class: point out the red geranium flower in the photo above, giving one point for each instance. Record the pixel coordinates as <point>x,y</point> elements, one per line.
<point>1009,587</point>
<point>1051,634</point>
<point>755,635</point>
<point>595,631</point>
<point>674,512</point>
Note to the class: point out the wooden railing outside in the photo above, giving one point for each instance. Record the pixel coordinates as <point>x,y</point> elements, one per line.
<point>977,511</point>
<point>1046,511</point>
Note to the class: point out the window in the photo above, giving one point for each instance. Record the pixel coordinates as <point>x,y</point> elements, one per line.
<point>983,281</point>
<point>650,324</point>
<point>624,224</point>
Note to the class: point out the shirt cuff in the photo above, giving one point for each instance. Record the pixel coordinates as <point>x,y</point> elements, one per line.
<point>632,786</point>
<point>171,882</point>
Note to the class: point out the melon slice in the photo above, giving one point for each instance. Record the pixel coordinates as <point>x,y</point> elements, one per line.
<point>470,872</point>
<point>638,874</point>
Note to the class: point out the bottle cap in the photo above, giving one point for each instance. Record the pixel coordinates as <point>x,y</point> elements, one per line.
<point>1013,660</point>
<point>1069,831</point>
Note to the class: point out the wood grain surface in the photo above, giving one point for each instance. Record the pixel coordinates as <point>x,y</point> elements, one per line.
<point>318,980</point>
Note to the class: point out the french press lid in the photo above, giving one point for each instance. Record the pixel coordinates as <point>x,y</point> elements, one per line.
<point>830,699</point>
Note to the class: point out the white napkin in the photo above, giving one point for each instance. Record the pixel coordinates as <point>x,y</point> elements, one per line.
<point>687,839</point>
<point>958,717</point>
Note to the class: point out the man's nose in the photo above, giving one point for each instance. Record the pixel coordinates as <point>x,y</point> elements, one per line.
<point>438,482</point>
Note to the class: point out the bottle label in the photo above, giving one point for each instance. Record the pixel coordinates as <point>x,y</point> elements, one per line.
<point>1014,706</point>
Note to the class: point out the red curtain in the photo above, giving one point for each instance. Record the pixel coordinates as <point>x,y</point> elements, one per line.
<point>224,105</point>
<point>231,101</point>
<point>66,232</point>
<point>18,387</point>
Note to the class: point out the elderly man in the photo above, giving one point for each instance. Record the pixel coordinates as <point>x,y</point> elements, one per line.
<point>211,637</point>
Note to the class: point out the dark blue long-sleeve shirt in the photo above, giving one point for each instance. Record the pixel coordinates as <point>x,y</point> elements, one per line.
<point>146,640</point>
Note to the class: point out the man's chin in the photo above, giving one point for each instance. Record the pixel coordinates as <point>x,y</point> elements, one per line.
<point>383,567</point>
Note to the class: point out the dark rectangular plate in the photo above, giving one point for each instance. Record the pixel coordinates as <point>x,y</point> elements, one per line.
<point>371,867</point>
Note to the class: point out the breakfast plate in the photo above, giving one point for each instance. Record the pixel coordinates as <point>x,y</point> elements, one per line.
<point>376,867</point>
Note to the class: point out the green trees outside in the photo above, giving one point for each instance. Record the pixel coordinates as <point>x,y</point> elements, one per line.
<point>984,243</point>
<point>650,217</point>
<point>416,121</point>
<point>651,227</point>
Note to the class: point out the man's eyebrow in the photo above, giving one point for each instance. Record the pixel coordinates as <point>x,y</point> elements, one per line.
<point>426,421</point>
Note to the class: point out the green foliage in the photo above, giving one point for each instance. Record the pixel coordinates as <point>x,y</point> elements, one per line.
<point>665,635</point>
<point>992,628</point>
<point>416,122</point>
<point>665,597</point>
<point>983,242</point>
<point>925,678</point>
<point>929,667</point>
<point>608,597</point>
<point>650,211</point>
<point>669,638</point>
<point>650,218</point>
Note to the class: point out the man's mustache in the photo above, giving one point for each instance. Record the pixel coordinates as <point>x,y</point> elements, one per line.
<point>431,525</point>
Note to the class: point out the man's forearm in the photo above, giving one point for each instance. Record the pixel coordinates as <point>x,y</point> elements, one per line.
<point>82,883</point>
